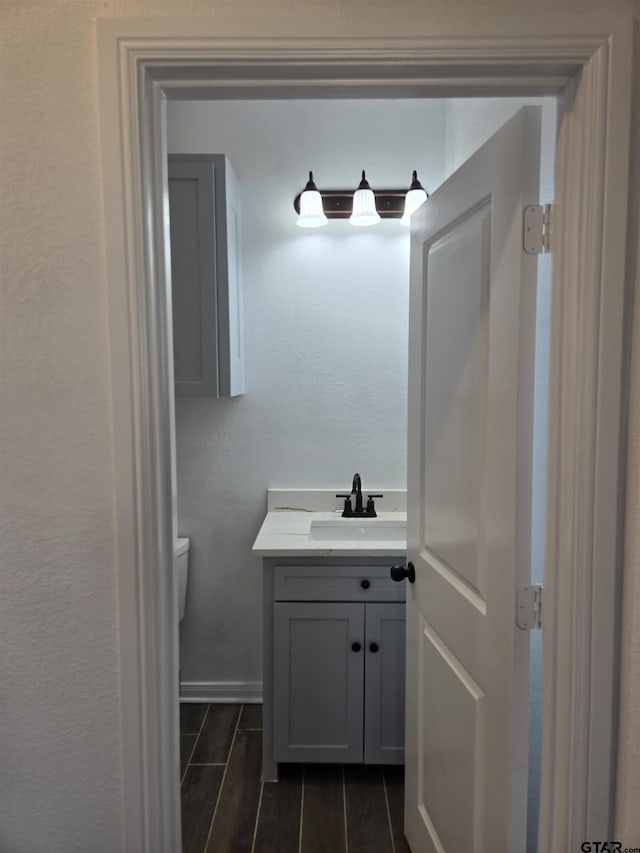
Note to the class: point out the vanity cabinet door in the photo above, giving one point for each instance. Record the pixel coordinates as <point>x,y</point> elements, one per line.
<point>318,669</point>
<point>384,684</point>
<point>206,295</point>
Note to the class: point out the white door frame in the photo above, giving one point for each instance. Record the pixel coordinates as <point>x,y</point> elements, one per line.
<point>144,62</point>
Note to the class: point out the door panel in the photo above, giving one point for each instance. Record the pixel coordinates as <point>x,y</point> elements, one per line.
<point>455,372</point>
<point>384,684</point>
<point>471,347</point>
<point>318,672</point>
<point>452,748</point>
<point>192,273</point>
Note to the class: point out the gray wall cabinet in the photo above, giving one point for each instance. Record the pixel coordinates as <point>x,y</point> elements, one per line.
<point>334,655</point>
<point>206,285</point>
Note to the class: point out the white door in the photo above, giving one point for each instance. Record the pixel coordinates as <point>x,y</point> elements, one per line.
<point>471,356</point>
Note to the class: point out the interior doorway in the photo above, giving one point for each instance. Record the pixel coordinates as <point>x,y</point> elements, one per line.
<point>133,97</point>
<point>326,325</point>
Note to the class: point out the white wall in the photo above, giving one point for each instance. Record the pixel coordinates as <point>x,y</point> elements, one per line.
<point>326,315</point>
<point>60,785</point>
<point>60,782</point>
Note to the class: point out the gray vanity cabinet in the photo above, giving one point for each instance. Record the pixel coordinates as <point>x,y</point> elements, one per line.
<point>204,211</point>
<point>333,662</point>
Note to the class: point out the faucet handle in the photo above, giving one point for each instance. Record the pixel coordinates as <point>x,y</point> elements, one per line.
<point>347,511</point>
<point>371,507</point>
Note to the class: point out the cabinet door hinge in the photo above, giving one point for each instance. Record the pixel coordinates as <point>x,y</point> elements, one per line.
<point>536,229</point>
<point>529,607</point>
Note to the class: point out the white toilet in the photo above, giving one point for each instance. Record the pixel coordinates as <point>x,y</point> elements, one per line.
<point>181,568</point>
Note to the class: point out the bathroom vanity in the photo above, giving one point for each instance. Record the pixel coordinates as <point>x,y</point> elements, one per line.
<point>334,642</point>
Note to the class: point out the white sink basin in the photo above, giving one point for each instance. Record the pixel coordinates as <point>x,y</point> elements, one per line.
<point>360,529</point>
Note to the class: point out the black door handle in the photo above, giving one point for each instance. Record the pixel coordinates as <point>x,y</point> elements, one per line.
<point>356,647</point>
<point>374,647</point>
<point>400,573</point>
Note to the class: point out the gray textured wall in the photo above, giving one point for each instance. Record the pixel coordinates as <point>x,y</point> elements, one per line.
<point>326,315</point>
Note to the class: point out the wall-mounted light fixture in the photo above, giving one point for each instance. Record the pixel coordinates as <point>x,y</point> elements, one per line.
<point>416,195</point>
<point>310,206</point>
<point>363,206</point>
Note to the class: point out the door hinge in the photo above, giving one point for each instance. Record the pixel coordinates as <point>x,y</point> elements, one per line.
<point>536,229</point>
<point>529,607</point>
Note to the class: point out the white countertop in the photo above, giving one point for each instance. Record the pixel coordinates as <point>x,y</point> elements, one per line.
<point>285,532</point>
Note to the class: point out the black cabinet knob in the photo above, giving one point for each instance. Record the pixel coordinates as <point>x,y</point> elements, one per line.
<point>355,647</point>
<point>365,584</point>
<point>400,573</point>
<point>374,647</point>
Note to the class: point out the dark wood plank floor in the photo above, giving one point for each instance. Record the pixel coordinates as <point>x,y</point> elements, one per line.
<point>314,808</point>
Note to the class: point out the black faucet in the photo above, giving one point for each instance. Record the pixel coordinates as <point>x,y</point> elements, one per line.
<point>356,489</point>
<point>358,512</point>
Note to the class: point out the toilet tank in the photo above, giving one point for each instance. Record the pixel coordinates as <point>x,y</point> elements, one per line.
<point>181,568</point>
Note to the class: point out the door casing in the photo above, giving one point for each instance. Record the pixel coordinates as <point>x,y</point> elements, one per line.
<point>588,62</point>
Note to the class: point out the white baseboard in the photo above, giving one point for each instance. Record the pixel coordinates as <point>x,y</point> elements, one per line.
<point>249,692</point>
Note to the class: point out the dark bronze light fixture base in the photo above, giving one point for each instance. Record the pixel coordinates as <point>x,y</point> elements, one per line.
<point>338,204</point>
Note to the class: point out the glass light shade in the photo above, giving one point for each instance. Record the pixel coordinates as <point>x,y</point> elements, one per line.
<point>311,212</point>
<point>415,196</point>
<point>412,202</point>
<point>364,205</point>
